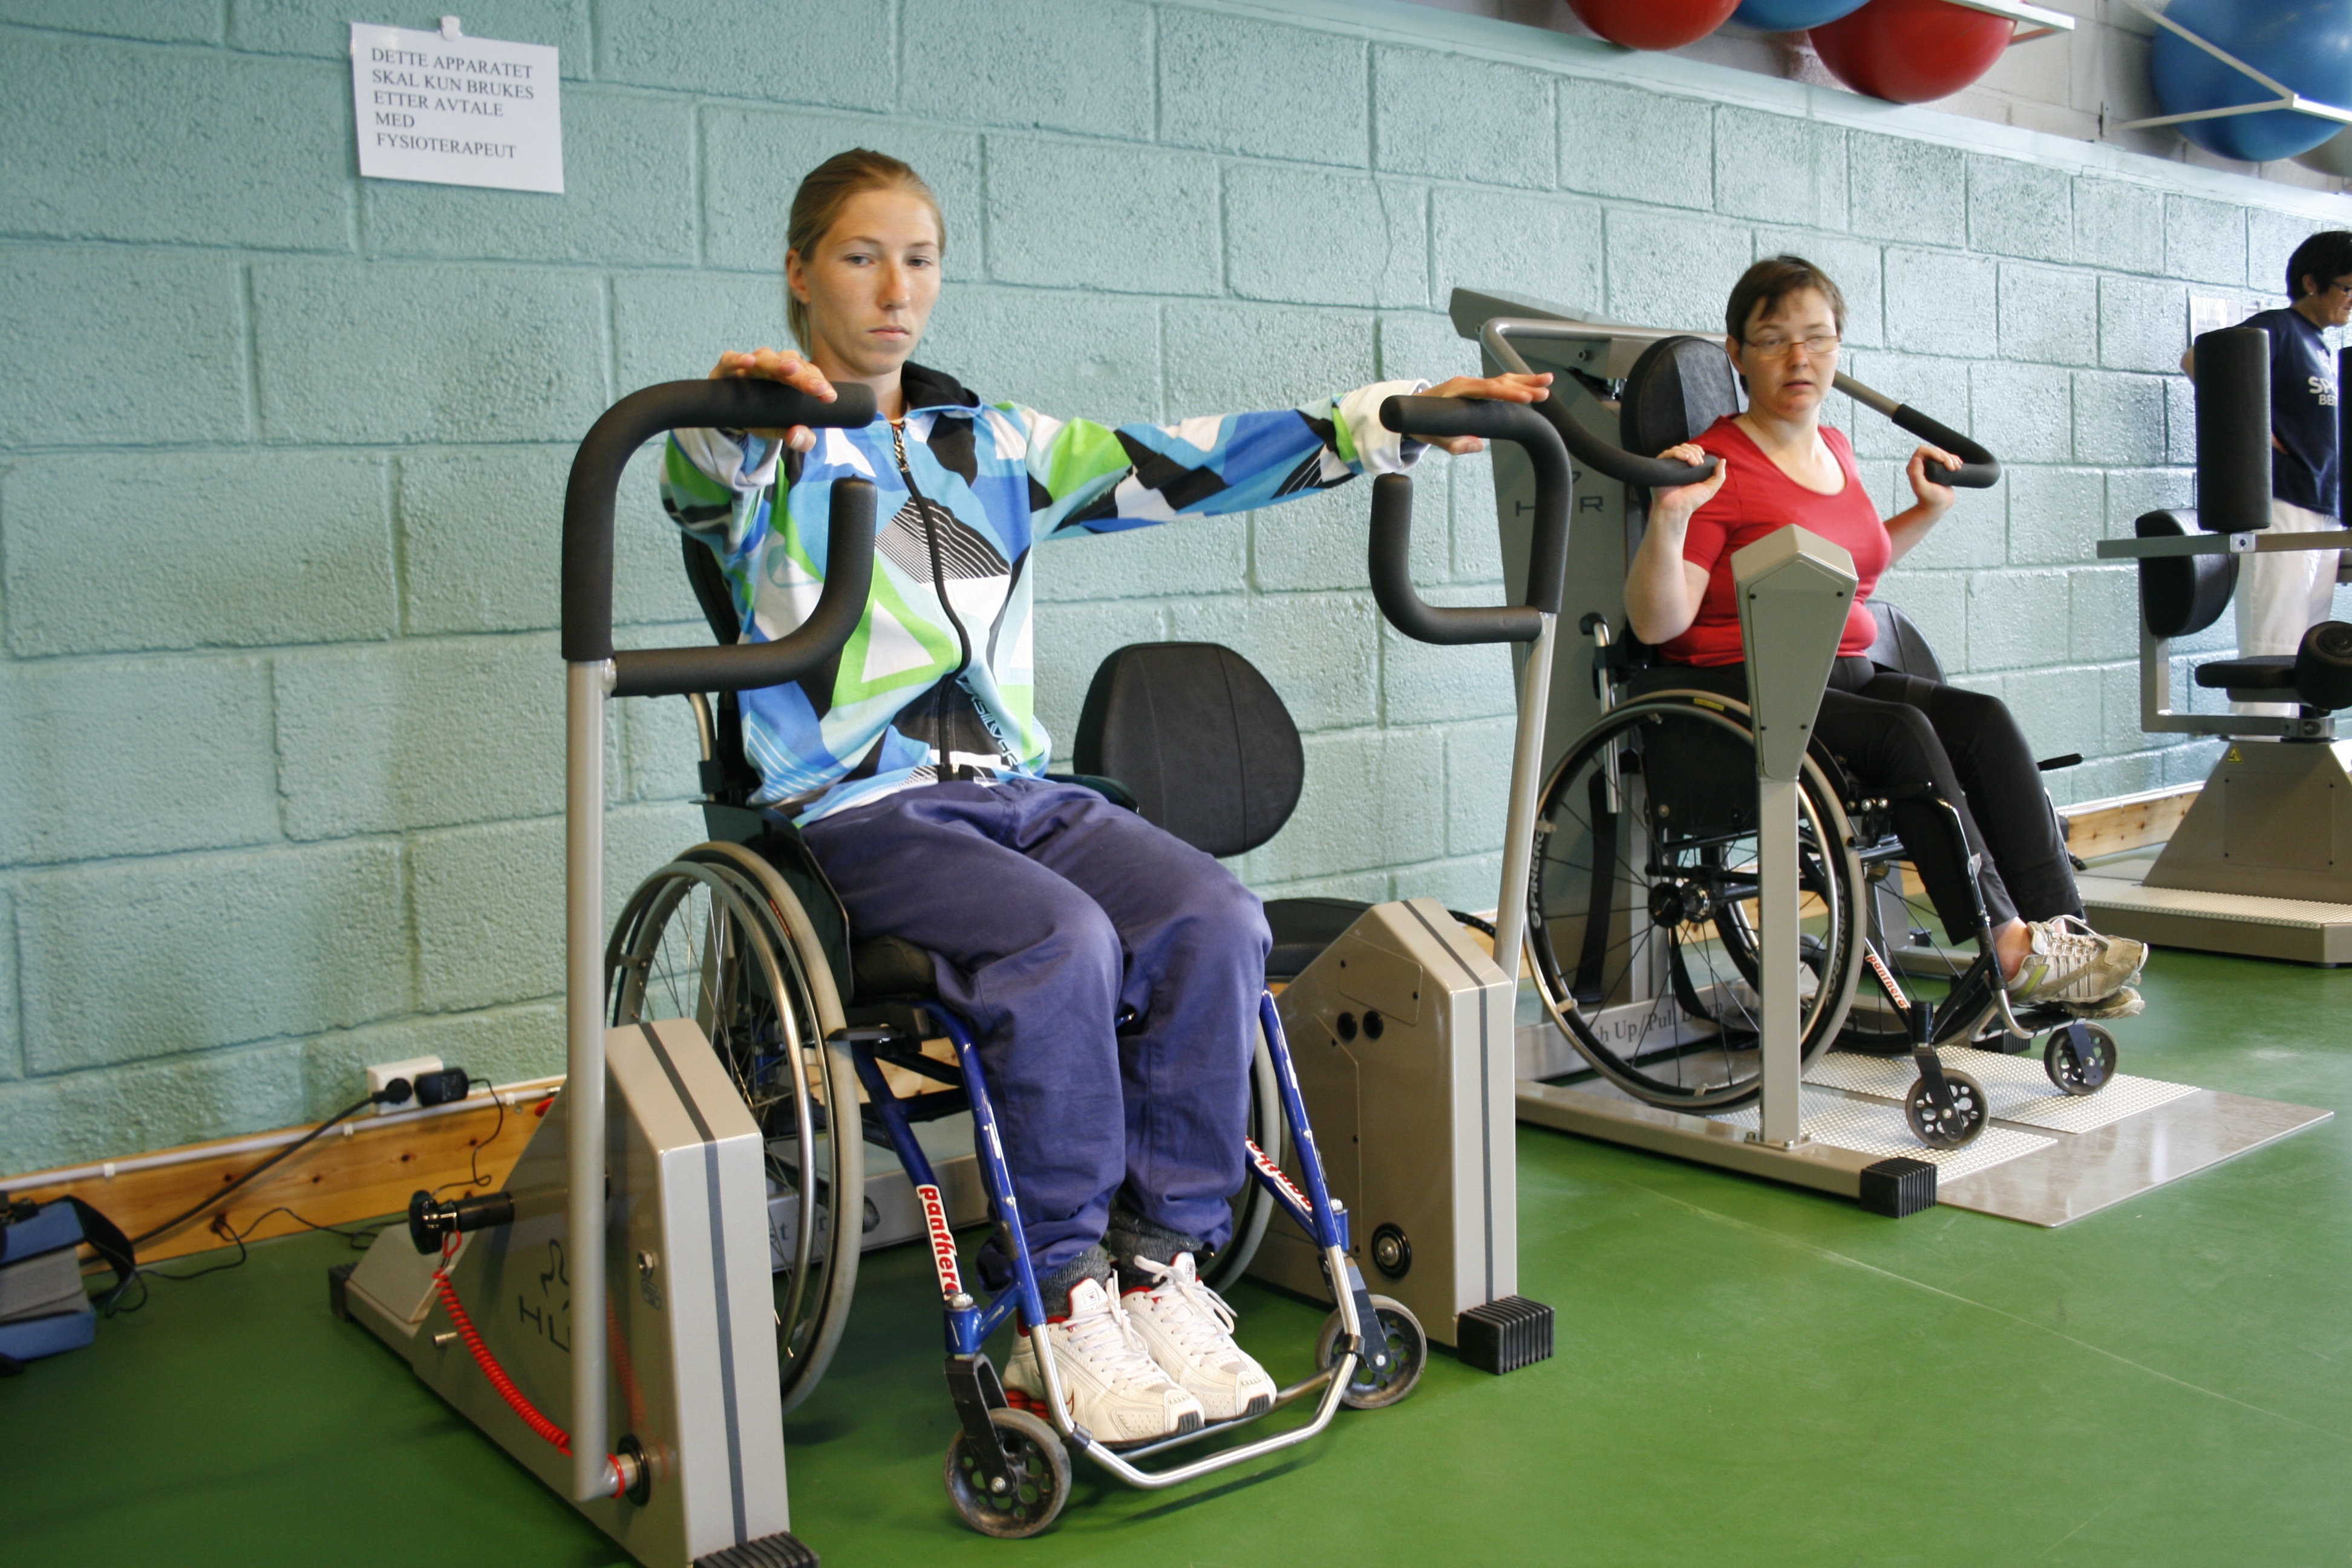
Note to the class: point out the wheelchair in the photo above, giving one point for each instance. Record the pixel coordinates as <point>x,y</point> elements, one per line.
<point>1642,925</point>
<point>837,1042</point>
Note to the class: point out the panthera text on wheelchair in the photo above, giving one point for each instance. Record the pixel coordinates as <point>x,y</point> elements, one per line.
<point>1643,916</point>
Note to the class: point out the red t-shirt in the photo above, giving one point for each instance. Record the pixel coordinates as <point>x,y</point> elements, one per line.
<point>1758,498</point>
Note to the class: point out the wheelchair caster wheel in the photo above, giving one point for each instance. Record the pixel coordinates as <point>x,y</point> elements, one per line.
<point>1039,1471</point>
<point>2080,1073</point>
<point>1947,1129</point>
<point>1405,1347</point>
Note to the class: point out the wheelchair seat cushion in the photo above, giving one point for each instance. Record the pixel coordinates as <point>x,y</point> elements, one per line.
<point>1902,646</point>
<point>890,968</point>
<point>1200,737</point>
<point>1303,928</point>
<point>2180,595</point>
<point>1676,390</point>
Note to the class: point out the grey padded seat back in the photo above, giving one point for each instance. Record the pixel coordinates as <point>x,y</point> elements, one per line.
<point>1199,737</point>
<point>1901,646</point>
<point>2180,595</point>
<point>1676,390</point>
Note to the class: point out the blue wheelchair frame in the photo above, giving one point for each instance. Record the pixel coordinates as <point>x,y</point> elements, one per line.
<point>972,1381</point>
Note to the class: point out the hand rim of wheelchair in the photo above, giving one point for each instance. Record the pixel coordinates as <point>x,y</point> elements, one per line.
<point>809,1321</point>
<point>1837,875</point>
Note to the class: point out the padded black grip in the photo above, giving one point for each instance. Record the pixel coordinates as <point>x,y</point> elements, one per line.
<point>1391,550</point>
<point>597,468</point>
<point>2233,430</point>
<point>1979,469</point>
<point>1605,456</point>
<point>2322,667</point>
<point>1391,564</point>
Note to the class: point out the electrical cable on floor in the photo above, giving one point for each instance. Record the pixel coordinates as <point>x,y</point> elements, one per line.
<point>357,1238</point>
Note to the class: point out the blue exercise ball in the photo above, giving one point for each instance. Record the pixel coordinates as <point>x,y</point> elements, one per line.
<point>2306,44</point>
<point>1791,15</point>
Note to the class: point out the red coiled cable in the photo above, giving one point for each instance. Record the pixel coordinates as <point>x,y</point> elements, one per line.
<point>499,1381</point>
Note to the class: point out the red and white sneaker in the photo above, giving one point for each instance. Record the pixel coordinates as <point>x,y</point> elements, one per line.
<point>1190,1331</point>
<point>1110,1383</point>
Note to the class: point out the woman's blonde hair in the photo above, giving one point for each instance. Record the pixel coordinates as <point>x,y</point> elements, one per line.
<point>825,190</point>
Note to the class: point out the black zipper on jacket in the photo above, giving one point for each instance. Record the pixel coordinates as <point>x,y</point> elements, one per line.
<point>939,586</point>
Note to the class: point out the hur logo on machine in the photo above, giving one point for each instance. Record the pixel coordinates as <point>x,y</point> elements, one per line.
<point>551,1317</point>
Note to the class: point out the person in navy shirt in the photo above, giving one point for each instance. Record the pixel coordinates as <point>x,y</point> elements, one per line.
<point>2281,596</point>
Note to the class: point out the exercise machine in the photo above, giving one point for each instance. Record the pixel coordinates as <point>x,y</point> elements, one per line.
<point>1677,843</point>
<point>2262,864</point>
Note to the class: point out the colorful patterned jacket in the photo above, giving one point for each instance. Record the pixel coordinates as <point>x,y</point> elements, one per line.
<point>937,679</point>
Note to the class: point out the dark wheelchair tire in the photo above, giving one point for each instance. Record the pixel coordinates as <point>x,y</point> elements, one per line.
<point>1373,1388</point>
<point>664,929</point>
<point>2080,1077</point>
<point>1602,920</point>
<point>1041,1477</point>
<point>1253,1206</point>
<point>1953,1129</point>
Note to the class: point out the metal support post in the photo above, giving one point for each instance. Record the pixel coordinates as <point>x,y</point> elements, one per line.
<point>585,686</point>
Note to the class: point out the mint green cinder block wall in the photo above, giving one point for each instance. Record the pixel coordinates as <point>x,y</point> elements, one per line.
<point>281,449</point>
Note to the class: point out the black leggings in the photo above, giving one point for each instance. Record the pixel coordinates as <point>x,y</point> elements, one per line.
<point>1892,731</point>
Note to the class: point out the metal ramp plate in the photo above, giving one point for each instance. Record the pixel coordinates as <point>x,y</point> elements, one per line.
<point>2296,930</point>
<point>2016,1088</point>
<point>1868,1127</point>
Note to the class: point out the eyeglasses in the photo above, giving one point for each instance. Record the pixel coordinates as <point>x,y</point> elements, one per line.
<point>1822,347</point>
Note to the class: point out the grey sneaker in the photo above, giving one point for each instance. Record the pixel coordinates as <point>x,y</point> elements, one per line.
<point>2071,964</point>
<point>2125,1003</point>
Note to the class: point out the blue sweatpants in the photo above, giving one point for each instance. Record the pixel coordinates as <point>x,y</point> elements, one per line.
<point>1047,908</point>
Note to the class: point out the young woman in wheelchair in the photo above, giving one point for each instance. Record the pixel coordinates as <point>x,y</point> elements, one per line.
<point>1110,973</point>
<point>1780,466</point>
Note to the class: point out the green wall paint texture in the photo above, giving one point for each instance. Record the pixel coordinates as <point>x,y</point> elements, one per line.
<point>281,450</point>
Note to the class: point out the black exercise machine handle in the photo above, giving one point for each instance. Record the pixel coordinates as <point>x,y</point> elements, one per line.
<point>1605,456</point>
<point>1979,469</point>
<point>729,404</point>
<point>1391,552</point>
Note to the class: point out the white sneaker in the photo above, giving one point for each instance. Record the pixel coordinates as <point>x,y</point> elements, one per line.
<point>1189,1329</point>
<point>2072,962</point>
<point>1110,1383</point>
<point>2125,1004</point>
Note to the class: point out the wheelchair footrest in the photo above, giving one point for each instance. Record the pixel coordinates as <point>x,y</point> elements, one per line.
<point>782,1550</point>
<point>1897,1188</point>
<point>1504,1335</point>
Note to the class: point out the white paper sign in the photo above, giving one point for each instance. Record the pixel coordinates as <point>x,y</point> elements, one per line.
<point>456,110</point>
<point>2212,313</point>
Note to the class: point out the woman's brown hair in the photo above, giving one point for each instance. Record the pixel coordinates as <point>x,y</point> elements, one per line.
<point>1762,287</point>
<point>825,190</point>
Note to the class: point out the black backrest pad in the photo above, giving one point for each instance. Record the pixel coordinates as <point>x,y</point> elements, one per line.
<point>1203,741</point>
<point>709,584</point>
<point>1676,390</point>
<point>1902,646</point>
<point>2180,595</point>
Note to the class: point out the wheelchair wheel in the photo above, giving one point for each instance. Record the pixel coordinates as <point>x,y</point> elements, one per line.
<point>1252,1205</point>
<point>1950,1129</point>
<point>1041,1477</point>
<point>2080,1073</point>
<point>709,938</point>
<point>1641,922</point>
<point>1400,1332</point>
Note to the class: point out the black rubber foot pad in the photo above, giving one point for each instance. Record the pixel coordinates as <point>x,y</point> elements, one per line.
<point>1504,1335</point>
<point>1897,1188</point>
<point>783,1550</point>
<point>338,1280</point>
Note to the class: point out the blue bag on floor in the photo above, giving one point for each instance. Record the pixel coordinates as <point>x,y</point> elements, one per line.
<point>44,1309</point>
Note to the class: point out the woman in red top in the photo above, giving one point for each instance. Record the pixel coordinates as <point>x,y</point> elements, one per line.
<point>1781,465</point>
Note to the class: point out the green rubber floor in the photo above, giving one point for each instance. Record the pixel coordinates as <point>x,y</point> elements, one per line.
<point>1748,1375</point>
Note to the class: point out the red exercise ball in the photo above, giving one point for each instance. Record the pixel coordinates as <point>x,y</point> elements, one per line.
<point>1909,51</point>
<point>1654,24</point>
